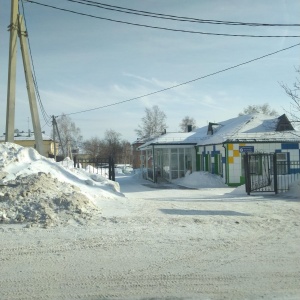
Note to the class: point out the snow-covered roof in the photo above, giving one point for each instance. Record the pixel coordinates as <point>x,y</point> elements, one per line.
<point>175,138</point>
<point>254,128</point>
<point>143,140</point>
<point>26,137</point>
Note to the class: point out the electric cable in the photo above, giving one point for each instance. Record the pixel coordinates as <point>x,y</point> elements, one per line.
<point>163,28</point>
<point>46,117</point>
<point>170,17</point>
<point>184,83</point>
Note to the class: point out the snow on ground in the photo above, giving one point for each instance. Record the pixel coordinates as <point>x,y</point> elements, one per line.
<point>38,191</point>
<point>194,238</point>
<point>200,180</point>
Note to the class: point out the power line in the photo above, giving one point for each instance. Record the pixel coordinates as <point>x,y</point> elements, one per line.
<point>171,17</point>
<point>43,111</point>
<point>184,83</point>
<point>163,28</point>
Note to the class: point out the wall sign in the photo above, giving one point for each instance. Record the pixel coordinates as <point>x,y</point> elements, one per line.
<point>245,149</point>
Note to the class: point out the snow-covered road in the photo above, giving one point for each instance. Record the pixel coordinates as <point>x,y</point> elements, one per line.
<point>170,244</point>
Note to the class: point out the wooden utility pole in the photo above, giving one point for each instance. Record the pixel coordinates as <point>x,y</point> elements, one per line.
<point>53,129</point>
<point>54,123</point>
<point>30,87</point>
<point>18,28</point>
<point>12,66</point>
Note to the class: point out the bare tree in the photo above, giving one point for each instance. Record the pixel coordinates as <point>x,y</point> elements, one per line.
<point>153,123</point>
<point>119,149</point>
<point>69,134</point>
<point>293,93</point>
<point>94,147</point>
<point>187,121</point>
<point>264,109</point>
<point>110,145</point>
<point>126,156</point>
<point>112,142</point>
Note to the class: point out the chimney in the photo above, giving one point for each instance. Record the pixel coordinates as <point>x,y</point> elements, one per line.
<point>189,128</point>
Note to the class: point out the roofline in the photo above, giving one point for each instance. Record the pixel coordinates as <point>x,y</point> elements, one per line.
<point>250,141</point>
<point>169,144</point>
<point>262,141</point>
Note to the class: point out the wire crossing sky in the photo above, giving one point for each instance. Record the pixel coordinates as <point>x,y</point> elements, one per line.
<point>88,55</point>
<point>161,28</point>
<point>184,83</point>
<point>170,17</point>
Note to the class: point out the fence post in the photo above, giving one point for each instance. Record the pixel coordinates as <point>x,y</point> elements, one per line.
<point>113,169</point>
<point>247,174</point>
<point>275,173</point>
<point>75,161</point>
<point>109,168</point>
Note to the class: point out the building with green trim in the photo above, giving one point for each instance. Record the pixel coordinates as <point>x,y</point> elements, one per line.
<point>219,148</point>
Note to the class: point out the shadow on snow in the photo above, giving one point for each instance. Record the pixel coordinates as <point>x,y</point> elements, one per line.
<point>193,212</point>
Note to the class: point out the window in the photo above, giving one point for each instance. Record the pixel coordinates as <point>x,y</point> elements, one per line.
<point>188,160</point>
<point>174,164</point>
<point>181,163</point>
<point>166,164</point>
<point>255,165</point>
<point>220,164</point>
<point>282,164</point>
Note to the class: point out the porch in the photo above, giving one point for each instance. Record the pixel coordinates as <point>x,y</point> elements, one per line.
<point>165,163</point>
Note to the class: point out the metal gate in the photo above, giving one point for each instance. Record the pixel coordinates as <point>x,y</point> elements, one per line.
<point>260,169</point>
<point>269,172</point>
<point>101,166</point>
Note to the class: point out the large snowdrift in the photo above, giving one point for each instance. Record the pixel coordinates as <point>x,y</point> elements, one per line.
<point>38,191</point>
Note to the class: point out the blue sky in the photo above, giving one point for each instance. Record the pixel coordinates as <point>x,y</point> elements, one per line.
<point>82,63</point>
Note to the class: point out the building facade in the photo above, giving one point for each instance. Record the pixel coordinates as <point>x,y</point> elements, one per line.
<point>222,151</point>
<point>219,148</point>
<point>25,139</point>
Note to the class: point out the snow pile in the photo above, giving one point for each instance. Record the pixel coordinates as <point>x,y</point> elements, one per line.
<point>41,199</point>
<point>200,180</point>
<point>294,189</point>
<point>40,192</point>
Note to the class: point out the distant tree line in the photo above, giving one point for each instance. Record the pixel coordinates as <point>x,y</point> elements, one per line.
<point>110,145</point>
<point>71,142</point>
<point>154,123</point>
<point>263,109</point>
